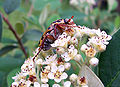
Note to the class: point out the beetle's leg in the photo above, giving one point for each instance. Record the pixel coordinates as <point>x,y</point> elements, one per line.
<point>36,54</point>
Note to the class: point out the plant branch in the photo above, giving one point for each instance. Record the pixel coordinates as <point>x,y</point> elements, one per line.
<point>15,34</point>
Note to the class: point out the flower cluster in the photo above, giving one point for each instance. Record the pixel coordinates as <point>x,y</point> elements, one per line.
<point>67,47</point>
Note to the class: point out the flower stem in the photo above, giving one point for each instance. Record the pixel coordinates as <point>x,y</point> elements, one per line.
<point>15,34</point>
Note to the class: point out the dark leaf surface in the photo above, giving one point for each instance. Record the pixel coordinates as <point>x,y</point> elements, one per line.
<point>6,49</point>
<point>11,5</point>
<point>109,64</point>
<point>32,35</point>
<point>7,64</point>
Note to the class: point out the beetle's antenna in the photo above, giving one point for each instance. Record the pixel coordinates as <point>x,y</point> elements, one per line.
<point>36,54</point>
<point>70,19</point>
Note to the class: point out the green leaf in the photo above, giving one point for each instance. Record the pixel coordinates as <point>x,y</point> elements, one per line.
<point>0,27</point>
<point>92,79</point>
<point>7,64</point>
<point>44,15</point>
<point>11,5</point>
<point>33,22</point>
<point>19,28</point>
<point>32,35</point>
<point>7,49</point>
<point>117,22</point>
<point>8,40</point>
<point>74,68</point>
<point>12,74</point>
<point>109,63</point>
<point>51,19</point>
<point>3,76</point>
<point>40,4</point>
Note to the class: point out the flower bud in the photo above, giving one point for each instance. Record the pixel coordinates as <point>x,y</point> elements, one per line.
<point>74,40</point>
<point>15,84</point>
<point>84,86</point>
<point>94,61</point>
<point>78,57</point>
<point>56,85</point>
<point>36,84</point>
<point>67,84</point>
<point>73,77</point>
<point>67,66</point>
<point>84,47</point>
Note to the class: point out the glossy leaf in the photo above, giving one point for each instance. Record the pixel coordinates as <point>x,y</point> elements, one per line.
<point>117,22</point>
<point>7,64</point>
<point>92,79</point>
<point>51,19</point>
<point>0,27</point>
<point>109,64</point>
<point>19,28</point>
<point>7,49</point>
<point>32,35</point>
<point>11,5</point>
<point>40,4</point>
<point>12,74</point>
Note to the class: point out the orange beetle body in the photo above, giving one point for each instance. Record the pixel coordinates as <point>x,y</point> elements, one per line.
<point>52,33</point>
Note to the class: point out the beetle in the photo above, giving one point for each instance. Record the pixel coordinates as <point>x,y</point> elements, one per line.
<point>52,33</point>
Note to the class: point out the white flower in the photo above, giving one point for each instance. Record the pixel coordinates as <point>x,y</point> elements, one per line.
<point>70,54</point>
<point>44,76</point>
<point>67,66</point>
<point>39,61</point>
<point>28,67</point>
<point>62,41</point>
<point>36,84</point>
<point>57,73</point>
<point>94,61</point>
<point>67,84</point>
<point>60,50</point>
<point>71,47</point>
<point>15,84</point>
<point>44,85</point>
<point>56,85</point>
<point>66,56</point>
<point>78,33</point>
<point>98,43</point>
<point>73,77</point>
<point>18,76</point>
<point>51,59</point>
<point>90,52</point>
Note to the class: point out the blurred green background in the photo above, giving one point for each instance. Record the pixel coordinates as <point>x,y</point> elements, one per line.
<point>30,18</point>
